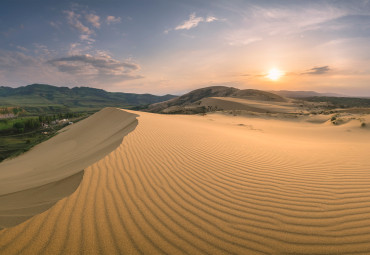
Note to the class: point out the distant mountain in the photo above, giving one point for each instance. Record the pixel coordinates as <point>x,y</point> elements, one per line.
<point>78,98</point>
<point>302,94</point>
<point>192,99</point>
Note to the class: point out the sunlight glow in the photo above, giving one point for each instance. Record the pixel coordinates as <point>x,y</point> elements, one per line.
<point>274,74</point>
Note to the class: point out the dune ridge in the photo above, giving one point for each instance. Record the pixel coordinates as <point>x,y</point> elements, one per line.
<point>34,181</point>
<point>208,185</point>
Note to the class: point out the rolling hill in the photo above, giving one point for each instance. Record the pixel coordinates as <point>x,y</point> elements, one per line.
<point>199,100</point>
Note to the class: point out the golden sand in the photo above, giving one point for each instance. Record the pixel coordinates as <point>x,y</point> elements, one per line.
<point>214,184</point>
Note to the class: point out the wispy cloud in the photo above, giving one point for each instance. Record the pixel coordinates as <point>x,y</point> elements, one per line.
<point>14,59</point>
<point>193,22</point>
<point>99,66</point>
<point>287,20</point>
<point>93,19</point>
<point>241,38</point>
<point>73,19</point>
<point>21,48</point>
<point>42,50</point>
<point>113,20</point>
<point>211,19</point>
<point>87,38</point>
<point>20,68</point>
<point>96,69</point>
<point>318,70</point>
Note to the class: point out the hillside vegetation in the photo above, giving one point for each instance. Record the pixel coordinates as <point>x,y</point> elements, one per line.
<point>41,98</point>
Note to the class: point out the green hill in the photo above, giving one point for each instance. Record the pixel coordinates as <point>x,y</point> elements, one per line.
<point>46,98</point>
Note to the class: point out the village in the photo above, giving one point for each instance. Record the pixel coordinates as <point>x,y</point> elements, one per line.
<point>20,131</point>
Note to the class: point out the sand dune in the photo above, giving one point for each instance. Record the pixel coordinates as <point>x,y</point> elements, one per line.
<point>34,181</point>
<point>230,103</point>
<point>214,184</point>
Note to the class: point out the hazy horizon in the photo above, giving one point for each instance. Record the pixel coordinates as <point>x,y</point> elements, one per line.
<point>172,47</point>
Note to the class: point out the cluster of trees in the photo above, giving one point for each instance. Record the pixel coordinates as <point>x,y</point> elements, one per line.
<point>34,123</point>
<point>28,124</point>
<point>49,118</point>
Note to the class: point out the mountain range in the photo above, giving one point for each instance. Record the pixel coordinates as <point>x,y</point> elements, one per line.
<point>41,96</point>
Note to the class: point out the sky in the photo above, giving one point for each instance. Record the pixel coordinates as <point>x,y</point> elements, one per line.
<point>173,46</point>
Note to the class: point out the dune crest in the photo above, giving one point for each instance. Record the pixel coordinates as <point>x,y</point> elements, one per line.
<point>34,181</point>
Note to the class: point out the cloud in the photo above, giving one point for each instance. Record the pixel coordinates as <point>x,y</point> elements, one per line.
<point>21,48</point>
<point>280,20</point>
<point>318,70</point>
<point>101,66</point>
<point>42,50</point>
<point>300,17</point>
<point>93,19</point>
<point>87,38</point>
<point>240,39</point>
<point>192,22</point>
<point>17,68</point>
<point>78,48</point>
<point>113,20</point>
<point>87,31</point>
<point>73,20</point>
<point>14,59</point>
<point>99,70</point>
<point>211,19</point>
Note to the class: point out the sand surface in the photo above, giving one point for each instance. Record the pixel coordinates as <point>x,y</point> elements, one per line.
<point>214,184</point>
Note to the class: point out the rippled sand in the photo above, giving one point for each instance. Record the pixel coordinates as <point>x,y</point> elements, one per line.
<point>214,184</point>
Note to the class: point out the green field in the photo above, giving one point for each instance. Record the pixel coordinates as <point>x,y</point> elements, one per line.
<point>13,145</point>
<point>20,134</point>
<point>8,123</point>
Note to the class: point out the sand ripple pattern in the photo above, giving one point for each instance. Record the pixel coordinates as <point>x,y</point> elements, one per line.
<point>180,187</point>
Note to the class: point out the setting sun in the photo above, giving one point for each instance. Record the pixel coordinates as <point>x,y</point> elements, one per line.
<point>274,74</point>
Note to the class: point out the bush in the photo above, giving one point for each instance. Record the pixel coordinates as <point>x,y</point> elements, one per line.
<point>15,111</point>
<point>18,125</point>
<point>363,124</point>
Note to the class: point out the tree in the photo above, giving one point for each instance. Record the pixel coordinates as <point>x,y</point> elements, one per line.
<point>19,126</point>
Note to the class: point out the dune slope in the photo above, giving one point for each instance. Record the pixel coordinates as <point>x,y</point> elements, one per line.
<point>214,185</point>
<point>230,103</point>
<point>34,181</point>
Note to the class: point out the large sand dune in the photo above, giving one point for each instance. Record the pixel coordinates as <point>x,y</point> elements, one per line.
<point>52,170</point>
<point>214,184</point>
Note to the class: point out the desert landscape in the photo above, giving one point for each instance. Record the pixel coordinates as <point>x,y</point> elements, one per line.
<point>185,127</point>
<point>215,183</point>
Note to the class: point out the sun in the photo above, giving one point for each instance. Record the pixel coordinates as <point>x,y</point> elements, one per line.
<point>274,74</point>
